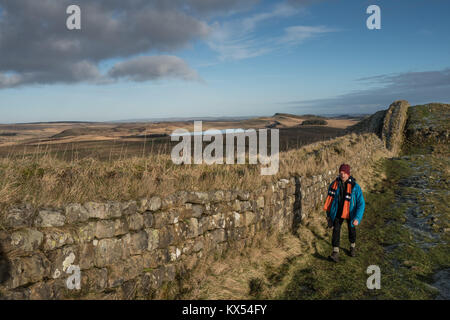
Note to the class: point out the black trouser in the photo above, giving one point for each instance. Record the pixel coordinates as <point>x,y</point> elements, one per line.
<point>337,231</point>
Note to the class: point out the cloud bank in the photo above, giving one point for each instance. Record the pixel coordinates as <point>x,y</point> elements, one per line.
<point>37,48</point>
<point>416,87</point>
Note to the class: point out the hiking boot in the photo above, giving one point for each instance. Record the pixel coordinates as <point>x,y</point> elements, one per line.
<point>352,252</point>
<point>334,256</point>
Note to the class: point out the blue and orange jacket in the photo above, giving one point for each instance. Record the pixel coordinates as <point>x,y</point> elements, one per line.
<point>357,204</point>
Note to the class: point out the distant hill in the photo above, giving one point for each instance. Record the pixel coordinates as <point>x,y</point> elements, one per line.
<point>304,116</point>
<point>178,119</point>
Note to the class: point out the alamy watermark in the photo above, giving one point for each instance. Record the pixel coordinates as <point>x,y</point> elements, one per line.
<point>374,280</point>
<point>214,153</point>
<point>374,21</point>
<point>73,22</point>
<point>73,282</point>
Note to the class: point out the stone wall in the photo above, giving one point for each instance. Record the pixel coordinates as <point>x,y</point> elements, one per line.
<point>394,125</point>
<point>132,247</point>
<point>388,124</point>
<point>129,250</point>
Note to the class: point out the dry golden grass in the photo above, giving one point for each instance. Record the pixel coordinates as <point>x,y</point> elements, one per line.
<point>44,180</point>
<point>229,278</point>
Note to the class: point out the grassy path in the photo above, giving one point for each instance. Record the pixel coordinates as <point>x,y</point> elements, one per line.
<point>405,231</point>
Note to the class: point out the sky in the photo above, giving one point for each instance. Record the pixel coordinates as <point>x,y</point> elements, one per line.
<point>141,59</point>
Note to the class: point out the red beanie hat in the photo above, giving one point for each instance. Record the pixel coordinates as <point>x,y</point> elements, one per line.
<point>345,168</point>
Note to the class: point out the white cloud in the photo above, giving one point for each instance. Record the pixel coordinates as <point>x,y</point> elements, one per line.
<point>239,39</point>
<point>297,34</point>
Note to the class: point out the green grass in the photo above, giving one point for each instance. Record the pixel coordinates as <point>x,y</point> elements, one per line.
<point>432,114</point>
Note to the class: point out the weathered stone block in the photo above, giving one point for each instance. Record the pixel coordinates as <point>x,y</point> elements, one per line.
<point>218,220</point>
<point>47,218</point>
<point>169,272</point>
<point>153,239</point>
<point>205,224</point>
<point>27,270</point>
<point>58,289</point>
<point>135,221</point>
<point>198,197</point>
<point>86,232</point>
<point>76,213</point>
<point>127,270</point>
<point>148,219</point>
<point>104,229</point>
<point>193,228</point>
<point>113,209</point>
<point>129,207</point>
<point>136,242</point>
<point>41,291</point>
<point>87,256</point>
<point>120,227</point>
<point>19,216</point>
<point>238,219</point>
<point>108,252</point>
<point>197,210</point>
<point>166,237</point>
<point>27,240</point>
<point>152,260</point>
<point>156,277</point>
<point>103,210</point>
<point>56,238</point>
<point>94,280</point>
<point>217,196</point>
<point>161,219</point>
<point>152,204</point>
<point>178,198</point>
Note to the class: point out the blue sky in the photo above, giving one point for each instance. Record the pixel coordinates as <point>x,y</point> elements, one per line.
<point>258,58</point>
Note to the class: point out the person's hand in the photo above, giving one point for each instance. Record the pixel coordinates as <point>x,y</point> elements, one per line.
<point>355,222</point>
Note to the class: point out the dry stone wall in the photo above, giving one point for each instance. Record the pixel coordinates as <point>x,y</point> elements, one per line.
<point>131,247</point>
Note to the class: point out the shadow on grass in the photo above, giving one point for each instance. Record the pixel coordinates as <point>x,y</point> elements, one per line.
<point>321,257</point>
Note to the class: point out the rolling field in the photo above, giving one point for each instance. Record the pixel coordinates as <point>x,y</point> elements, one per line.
<point>111,141</point>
